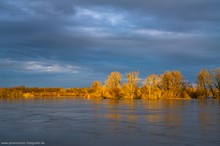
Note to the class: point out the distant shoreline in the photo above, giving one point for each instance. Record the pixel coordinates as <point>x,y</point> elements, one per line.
<point>169,85</point>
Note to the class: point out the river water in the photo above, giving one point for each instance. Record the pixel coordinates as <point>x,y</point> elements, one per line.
<point>81,122</point>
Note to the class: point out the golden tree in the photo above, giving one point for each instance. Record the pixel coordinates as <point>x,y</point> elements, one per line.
<point>131,89</point>
<point>113,85</point>
<point>216,81</point>
<point>151,83</point>
<point>97,89</point>
<point>172,83</point>
<point>203,83</point>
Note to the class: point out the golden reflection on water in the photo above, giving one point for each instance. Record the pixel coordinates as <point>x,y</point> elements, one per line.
<point>152,111</point>
<point>113,103</point>
<point>132,118</point>
<point>142,115</point>
<point>132,104</point>
<point>153,118</point>
<point>112,111</point>
<point>152,104</point>
<point>160,111</point>
<point>114,116</point>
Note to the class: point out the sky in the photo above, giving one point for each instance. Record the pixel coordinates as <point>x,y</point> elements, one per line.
<point>71,43</point>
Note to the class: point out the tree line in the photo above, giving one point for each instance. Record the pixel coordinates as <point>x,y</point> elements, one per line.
<point>35,92</point>
<point>169,85</point>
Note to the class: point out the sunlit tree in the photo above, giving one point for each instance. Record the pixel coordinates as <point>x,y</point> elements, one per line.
<point>203,83</point>
<point>96,85</point>
<point>96,90</point>
<point>172,84</point>
<point>151,85</point>
<point>216,81</point>
<point>113,85</point>
<point>130,88</point>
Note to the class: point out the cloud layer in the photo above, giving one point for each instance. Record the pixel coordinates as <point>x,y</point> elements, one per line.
<point>72,42</point>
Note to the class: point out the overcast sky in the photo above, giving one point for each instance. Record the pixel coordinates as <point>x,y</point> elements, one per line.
<point>69,43</point>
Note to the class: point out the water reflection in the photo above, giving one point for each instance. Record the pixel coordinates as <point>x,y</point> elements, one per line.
<point>122,110</point>
<point>133,118</point>
<point>153,118</point>
<point>112,122</point>
<point>114,116</point>
<point>133,110</point>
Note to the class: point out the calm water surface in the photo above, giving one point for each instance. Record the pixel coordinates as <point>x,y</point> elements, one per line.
<point>81,122</point>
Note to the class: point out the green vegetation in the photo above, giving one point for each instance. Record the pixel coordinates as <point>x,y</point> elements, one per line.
<point>169,85</point>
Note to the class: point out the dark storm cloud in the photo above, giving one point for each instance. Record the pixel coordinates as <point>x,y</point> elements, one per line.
<point>94,37</point>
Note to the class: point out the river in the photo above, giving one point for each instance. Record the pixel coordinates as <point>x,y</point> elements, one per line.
<point>82,122</point>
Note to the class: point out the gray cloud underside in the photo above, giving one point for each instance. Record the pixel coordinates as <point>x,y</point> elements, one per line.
<point>95,37</point>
